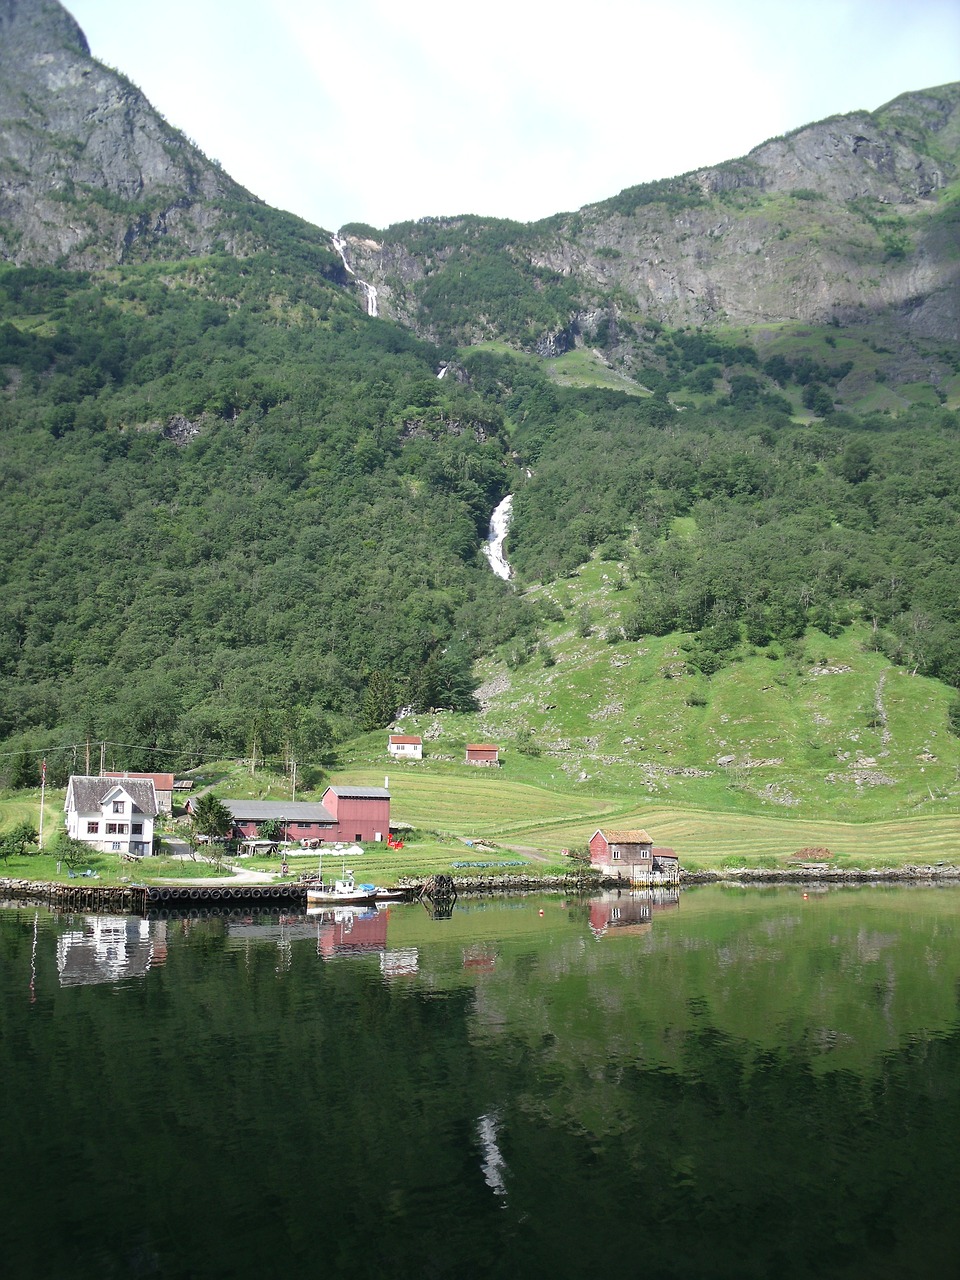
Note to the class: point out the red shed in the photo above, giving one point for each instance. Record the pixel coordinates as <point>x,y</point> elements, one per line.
<point>483,753</point>
<point>630,855</point>
<point>360,813</point>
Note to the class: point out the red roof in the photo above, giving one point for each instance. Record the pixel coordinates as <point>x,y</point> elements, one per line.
<point>405,740</point>
<point>161,781</point>
<point>482,746</point>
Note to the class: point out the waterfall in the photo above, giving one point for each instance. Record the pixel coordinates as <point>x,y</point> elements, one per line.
<point>493,547</point>
<point>369,290</point>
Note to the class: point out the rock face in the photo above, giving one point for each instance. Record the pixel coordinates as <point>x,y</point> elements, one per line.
<point>845,221</point>
<point>89,172</point>
<point>837,222</point>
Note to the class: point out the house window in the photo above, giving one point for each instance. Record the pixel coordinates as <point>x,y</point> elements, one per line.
<point>118,806</point>
<point>615,853</point>
<point>111,828</point>
<point>358,837</point>
<point>115,846</point>
<point>93,828</point>
<point>137,829</point>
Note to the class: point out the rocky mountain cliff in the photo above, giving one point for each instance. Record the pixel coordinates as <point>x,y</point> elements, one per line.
<point>90,173</point>
<point>852,220</point>
<point>841,221</point>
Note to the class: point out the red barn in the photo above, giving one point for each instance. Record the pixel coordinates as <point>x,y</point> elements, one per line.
<point>360,813</point>
<point>483,753</point>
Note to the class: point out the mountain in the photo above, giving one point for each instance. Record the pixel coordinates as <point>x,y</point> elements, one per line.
<point>91,175</point>
<point>849,221</point>
<point>241,515</point>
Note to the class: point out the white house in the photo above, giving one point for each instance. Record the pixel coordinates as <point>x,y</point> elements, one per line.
<point>162,784</point>
<point>405,746</point>
<point>114,815</point>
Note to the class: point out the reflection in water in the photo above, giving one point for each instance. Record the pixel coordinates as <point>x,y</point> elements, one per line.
<point>109,949</point>
<point>630,911</point>
<point>493,1165</point>
<point>497,1094</point>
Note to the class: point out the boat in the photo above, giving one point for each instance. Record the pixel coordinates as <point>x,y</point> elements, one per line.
<point>345,890</point>
<point>393,895</point>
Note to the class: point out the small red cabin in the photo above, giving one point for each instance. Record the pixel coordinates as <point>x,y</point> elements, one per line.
<point>483,753</point>
<point>630,855</point>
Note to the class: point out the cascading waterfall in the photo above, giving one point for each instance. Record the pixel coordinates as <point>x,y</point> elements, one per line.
<point>369,290</point>
<point>493,547</point>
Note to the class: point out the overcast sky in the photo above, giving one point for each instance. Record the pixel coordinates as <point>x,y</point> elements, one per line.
<point>364,110</point>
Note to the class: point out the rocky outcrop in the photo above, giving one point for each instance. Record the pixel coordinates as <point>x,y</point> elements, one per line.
<point>89,172</point>
<point>837,222</point>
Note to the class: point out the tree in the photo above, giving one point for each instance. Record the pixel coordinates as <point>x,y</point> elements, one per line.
<point>17,840</point>
<point>211,817</point>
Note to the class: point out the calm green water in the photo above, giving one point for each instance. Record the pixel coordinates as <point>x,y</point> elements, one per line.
<point>741,1084</point>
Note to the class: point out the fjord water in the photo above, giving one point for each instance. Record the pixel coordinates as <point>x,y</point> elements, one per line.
<point>749,1083</point>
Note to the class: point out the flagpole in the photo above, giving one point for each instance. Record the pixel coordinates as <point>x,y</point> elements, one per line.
<point>43,787</point>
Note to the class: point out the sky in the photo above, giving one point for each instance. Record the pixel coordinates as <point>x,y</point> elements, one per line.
<point>377,112</point>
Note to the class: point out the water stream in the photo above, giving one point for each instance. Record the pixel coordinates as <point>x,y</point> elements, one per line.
<point>499,527</point>
<point>369,290</point>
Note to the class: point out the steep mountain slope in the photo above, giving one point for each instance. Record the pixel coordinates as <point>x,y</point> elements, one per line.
<point>91,174</point>
<point>240,514</point>
<point>841,221</point>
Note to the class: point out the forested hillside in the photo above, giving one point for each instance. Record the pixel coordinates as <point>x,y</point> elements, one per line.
<point>241,516</point>
<point>233,509</point>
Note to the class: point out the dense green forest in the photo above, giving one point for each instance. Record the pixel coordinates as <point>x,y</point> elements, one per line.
<point>738,524</point>
<point>235,512</point>
<point>240,516</point>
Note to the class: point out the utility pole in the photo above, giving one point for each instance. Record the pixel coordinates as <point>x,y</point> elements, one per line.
<point>87,765</point>
<point>103,757</point>
<point>293,764</point>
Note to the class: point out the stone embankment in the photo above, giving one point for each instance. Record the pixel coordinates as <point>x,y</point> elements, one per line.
<point>821,875</point>
<point>86,895</point>
<point>569,882</point>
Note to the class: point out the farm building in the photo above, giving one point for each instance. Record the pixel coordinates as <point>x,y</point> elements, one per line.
<point>361,813</point>
<point>631,855</point>
<point>483,753</point>
<point>344,814</point>
<point>405,746</point>
<point>162,785</point>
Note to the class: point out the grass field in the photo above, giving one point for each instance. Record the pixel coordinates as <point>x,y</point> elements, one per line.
<point>823,743</point>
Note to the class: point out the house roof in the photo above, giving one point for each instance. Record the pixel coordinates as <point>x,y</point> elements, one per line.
<point>405,740</point>
<point>279,810</point>
<point>664,852</point>
<point>88,794</point>
<point>162,781</point>
<point>361,793</point>
<point>626,837</point>
<point>482,746</point>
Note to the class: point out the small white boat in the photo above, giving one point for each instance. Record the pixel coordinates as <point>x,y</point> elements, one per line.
<point>345,890</point>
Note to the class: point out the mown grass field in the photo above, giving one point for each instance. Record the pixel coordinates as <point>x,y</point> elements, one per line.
<point>821,744</point>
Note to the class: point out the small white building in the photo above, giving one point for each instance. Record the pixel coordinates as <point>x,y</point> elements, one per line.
<point>405,746</point>
<point>114,815</point>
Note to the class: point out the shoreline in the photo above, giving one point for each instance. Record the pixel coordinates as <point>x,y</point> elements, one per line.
<point>132,898</point>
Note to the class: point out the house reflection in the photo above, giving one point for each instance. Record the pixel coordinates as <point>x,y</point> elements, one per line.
<point>627,912</point>
<point>110,949</point>
<point>334,931</point>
